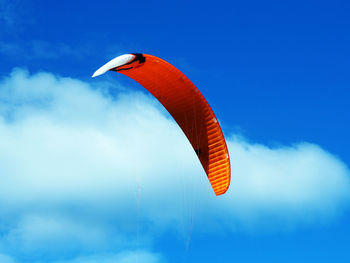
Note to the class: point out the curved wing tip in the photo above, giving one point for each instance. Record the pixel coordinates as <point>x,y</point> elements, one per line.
<point>116,62</point>
<point>97,73</point>
<point>102,70</point>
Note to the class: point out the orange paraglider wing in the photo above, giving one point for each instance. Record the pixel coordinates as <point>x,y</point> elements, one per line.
<point>186,105</point>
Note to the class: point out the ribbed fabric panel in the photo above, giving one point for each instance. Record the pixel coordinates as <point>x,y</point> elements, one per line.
<point>190,110</point>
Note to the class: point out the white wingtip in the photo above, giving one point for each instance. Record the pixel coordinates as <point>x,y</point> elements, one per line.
<point>98,73</point>
<point>116,62</point>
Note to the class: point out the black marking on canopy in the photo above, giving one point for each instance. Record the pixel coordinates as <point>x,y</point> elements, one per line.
<point>198,151</point>
<point>138,57</point>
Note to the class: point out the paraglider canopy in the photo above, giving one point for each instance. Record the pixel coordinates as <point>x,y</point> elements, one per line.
<point>187,106</point>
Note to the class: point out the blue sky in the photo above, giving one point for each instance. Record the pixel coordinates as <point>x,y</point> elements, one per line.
<point>95,170</point>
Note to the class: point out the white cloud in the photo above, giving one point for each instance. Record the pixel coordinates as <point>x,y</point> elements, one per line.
<point>88,174</point>
<point>285,185</point>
